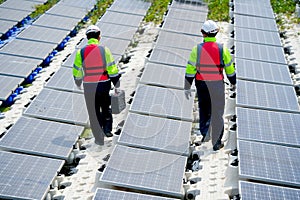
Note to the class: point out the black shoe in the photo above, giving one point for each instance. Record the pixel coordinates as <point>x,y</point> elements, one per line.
<point>108,134</point>
<point>218,146</point>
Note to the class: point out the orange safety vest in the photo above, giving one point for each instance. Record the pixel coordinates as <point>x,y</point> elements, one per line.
<point>94,63</point>
<point>209,62</point>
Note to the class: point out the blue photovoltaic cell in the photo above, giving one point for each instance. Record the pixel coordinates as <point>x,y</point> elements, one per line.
<point>181,26</point>
<point>190,5</point>
<point>107,194</point>
<point>168,76</point>
<point>257,191</point>
<point>258,52</point>
<point>255,10</point>
<point>28,49</point>
<point>56,22</point>
<point>8,85</point>
<point>26,177</point>
<point>43,34</point>
<point>189,15</point>
<point>59,106</point>
<point>269,163</point>
<point>170,56</point>
<point>263,71</point>
<point>257,36</point>
<point>121,18</point>
<point>153,133</point>
<point>268,126</point>
<point>266,96</point>
<point>176,40</point>
<point>20,5</point>
<point>67,11</point>
<point>41,137</point>
<point>63,80</point>
<point>13,15</point>
<point>137,7</point>
<point>145,170</point>
<point>162,102</point>
<point>17,66</point>
<point>264,24</point>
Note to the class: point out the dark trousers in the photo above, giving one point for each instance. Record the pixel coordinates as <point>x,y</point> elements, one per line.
<point>98,103</point>
<point>211,102</point>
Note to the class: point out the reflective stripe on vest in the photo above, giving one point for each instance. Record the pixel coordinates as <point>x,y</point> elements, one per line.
<point>94,63</point>
<point>209,62</point>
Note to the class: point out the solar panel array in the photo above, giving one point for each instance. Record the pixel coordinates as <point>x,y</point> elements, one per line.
<point>154,142</point>
<point>267,107</point>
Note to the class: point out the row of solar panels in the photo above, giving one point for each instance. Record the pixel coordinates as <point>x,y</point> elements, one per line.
<point>267,108</point>
<point>53,121</point>
<point>23,55</point>
<point>153,146</point>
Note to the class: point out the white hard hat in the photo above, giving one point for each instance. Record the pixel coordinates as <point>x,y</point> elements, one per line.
<point>92,28</point>
<point>210,27</point>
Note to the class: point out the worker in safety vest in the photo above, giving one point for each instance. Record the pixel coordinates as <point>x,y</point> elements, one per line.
<point>94,65</point>
<point>206,63</point>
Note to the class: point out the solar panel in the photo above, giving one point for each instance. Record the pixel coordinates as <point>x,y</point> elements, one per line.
<point>263,71</point>
<point>63,80</point>
<point>5,25</point>
<point>86,4</point>
<point>117,31</point>
<point>59,106</point>
<point>20,5</point>
<point>8,85</point>
<point>145,170</point>
<point>67,11</point>
<point>170,56</point>
<point>175,40</point>
<point>264,24</point>
<point>13,15</point>
<point>121,18</point>
<point>107,194</point>
<point>189,15</point>
<point>43,34</point>
<point>41,137</point>
<point>137,7</point>
<point>265,3</point>
<point>153,133</point>
<point>255,10</point>
<point>257,36</point>
<point>181,26</point>
<point>266,96</point>
<point>26,177</point>
<point>257,191</point>
<point>17,66</point>
<point>28,49</point>
<point>265,53</point>
<point>163,75</point>
<point>268,126</point>
<point>162,102</point>
<point>269,163</point>
<point>190,5</point>
<point>56,22</point>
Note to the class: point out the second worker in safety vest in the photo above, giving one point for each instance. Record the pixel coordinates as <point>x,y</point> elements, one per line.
<point>94,65</point>
<point>206,63</point>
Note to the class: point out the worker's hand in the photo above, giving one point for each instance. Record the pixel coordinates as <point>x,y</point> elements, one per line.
<point>188,94</point>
